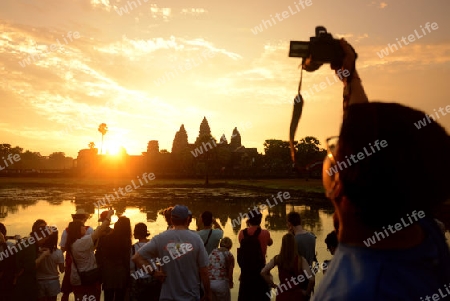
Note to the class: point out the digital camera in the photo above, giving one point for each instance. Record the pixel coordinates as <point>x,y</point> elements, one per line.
<point>321,49</point>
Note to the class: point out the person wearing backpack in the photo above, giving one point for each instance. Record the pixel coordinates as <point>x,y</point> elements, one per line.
<point>251,256</point>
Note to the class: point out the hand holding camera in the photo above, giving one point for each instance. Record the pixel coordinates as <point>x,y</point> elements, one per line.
<point>322,49</point>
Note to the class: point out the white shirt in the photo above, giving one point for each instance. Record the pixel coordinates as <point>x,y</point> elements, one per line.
<point>83,255</point>
<point>63,241</point>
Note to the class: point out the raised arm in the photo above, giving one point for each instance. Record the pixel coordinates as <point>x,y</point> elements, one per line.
<point>100,231</point>
<point>353,89</point>
<point>216,224</point>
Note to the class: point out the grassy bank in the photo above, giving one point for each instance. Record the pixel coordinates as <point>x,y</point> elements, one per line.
<point>312,187</point>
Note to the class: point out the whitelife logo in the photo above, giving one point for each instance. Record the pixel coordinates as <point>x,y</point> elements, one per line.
<point>411,38</point>
<point>106,201</point>
<point>176,250</point>
<point>341,164</point>
<point>307,93</point>
<point>10,158</point>
<point>51,48</point>
<point>281,197</point>
<point>124,9</point>
<point>184,67</point>
<point>423,123</point>
<point>376,237</point>
<point>23,243</point>
<point>281,16</point>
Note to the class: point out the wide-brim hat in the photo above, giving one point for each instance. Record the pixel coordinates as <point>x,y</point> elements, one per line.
<point>80,213</point>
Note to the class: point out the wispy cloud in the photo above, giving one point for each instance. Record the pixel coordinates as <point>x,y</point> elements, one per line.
<point>378,4</point>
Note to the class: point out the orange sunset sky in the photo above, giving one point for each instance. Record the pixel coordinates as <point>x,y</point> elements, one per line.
<point>111,62</point>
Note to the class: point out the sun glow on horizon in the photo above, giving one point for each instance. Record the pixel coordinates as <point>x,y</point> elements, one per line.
<point>113,146</point>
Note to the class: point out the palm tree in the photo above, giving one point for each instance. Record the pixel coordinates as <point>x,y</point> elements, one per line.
<point>102,128</point>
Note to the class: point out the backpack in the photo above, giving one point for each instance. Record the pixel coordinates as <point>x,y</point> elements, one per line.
<point>249,254</point>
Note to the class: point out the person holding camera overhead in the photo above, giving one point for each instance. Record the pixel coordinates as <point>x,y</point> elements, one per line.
<point>85,275</point>
<point>372,195</point>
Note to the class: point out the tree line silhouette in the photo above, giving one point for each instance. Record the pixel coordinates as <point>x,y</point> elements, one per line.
<point>205,157</point>
<point>223,160</point>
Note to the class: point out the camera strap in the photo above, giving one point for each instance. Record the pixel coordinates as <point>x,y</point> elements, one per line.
<point>296,115</point>
<point>300,82</point>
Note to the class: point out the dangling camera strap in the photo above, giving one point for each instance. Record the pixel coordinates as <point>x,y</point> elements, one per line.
<point>300,81</point>
<point>296,114</point>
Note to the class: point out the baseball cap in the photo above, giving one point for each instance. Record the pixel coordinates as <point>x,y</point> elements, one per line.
<point>103,216</point>
<point>180,212</point>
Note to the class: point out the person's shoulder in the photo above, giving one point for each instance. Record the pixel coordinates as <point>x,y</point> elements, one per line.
<point>58,255</point>
<point>192,235</point>
<point>218,232</point>
<point>200,232</point>
<point>305,236</point>
<point>350,277</point>
<point>311,234</point>
<point>85,240</point>
<point>265,231</point>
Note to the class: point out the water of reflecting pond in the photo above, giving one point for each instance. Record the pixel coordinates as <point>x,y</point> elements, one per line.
<point>19,208</point>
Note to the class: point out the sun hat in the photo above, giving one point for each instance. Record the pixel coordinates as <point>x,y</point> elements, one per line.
<point>80,213</point>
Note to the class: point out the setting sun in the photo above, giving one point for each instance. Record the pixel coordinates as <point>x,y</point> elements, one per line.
<point>113,148</point>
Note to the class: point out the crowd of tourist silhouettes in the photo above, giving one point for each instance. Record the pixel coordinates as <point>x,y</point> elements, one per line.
<point>177,264</point>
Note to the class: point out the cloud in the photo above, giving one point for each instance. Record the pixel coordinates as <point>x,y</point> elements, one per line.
<point>378,4</point>
<point>160,12</point>
<point>68,93</point>
<point>205,44</point>
<point>194,11</point>
<point>344,35</point>
<point>410,57</point>
<point>133,48</point>
<point>102,4</point>
<point>361,37</point>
